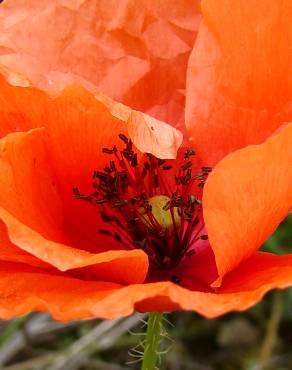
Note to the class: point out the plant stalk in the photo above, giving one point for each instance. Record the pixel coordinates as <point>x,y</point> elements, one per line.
<point>152,341</point>
<point>271,331</point>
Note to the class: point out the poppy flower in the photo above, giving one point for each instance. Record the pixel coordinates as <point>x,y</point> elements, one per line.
<point>103,209</point>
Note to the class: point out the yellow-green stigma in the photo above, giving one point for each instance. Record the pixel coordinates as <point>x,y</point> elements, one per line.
<point>165,216</point>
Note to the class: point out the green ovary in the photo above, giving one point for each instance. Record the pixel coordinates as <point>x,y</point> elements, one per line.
<point>162,216</point>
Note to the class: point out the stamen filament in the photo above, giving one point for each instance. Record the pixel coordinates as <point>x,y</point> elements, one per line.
<point>128,195</point>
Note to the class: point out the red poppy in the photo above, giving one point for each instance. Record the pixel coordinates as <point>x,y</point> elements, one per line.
<point>80,258</point>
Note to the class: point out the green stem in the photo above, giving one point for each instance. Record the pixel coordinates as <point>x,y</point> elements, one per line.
<point>152,341</point>
<point>272,330</point>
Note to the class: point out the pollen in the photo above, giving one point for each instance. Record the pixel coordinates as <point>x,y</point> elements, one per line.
<point>150,204</point>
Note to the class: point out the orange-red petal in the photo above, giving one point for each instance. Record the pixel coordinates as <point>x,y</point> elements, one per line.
<point>239,83</point>
<point>122,266</point>
<point>83,125</point>
<point>24,289</point>
<point>28,190</point>
<point>241,289</point>
<point>37,177</point>
<point>246,197</point>
<point>32,210</point>
<point>135,52</point>
<point>11,253</point>
<point>19,108</point>
<point>261,272</point>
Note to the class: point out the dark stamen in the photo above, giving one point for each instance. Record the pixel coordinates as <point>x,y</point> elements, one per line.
<point>105,232</point>
<point>123,138</point>
<point>126,192</point>
<point>107,151</point>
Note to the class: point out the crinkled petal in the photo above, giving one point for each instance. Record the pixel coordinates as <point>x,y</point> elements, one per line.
<point>135,52</point>
<point>153,136</point>
<point>148,134</point>
<point>239,82</point>
<point>246,197</point>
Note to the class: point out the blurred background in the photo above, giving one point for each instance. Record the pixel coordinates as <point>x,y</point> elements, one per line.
<point>258,339</point>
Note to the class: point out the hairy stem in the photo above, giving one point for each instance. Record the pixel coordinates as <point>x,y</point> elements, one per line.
<point>152,341</point>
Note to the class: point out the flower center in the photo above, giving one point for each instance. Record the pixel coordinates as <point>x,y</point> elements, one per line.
<point>150,204</point>
<point>166,218</point>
